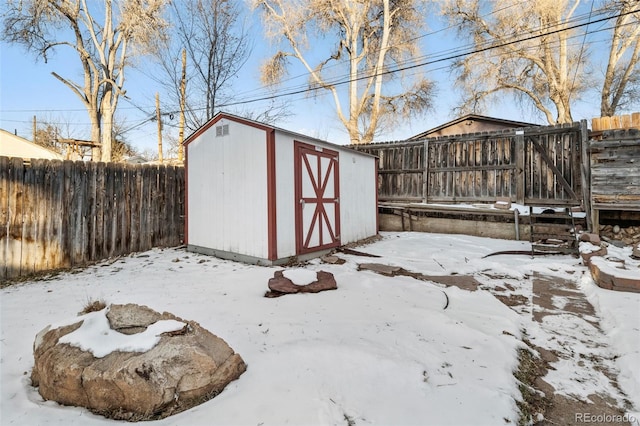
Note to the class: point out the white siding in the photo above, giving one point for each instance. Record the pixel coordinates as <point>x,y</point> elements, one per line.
<point>15,146</point>
<point>358,209</point>
<point>228,190</point>
<point>285,196</point>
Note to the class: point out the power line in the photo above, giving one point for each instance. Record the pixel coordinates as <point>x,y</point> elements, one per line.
<point>429,62</point>
<point>438,57</point>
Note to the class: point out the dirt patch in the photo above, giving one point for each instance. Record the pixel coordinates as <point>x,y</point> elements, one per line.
<point>548,292</point>
<point>464,282</point>
<point>541,405</point>
<point>512,299</point>
<point>534,402</point>
<point>555,296</point>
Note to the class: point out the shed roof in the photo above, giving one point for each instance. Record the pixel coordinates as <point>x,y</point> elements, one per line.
<point>15,146</point>
<point>224,115</point>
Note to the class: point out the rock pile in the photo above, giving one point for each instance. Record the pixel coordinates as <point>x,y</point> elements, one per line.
<point>629,235</point>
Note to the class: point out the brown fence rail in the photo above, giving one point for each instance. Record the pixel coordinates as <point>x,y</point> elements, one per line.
<point>535,165</point>
<point>61,214</point>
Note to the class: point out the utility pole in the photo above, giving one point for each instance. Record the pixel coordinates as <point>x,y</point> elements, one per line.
<point>159,119</point>
<point>183,88</point>
<point>35,127</point>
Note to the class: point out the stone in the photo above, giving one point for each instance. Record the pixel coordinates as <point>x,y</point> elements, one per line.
<point>635,253</point>
<point>380,268</point>
<point>604,278</point>
<point>185,368</point>
<point>591,238</point>
<point>280,285</point>
<point>333,260</point>
<point>503,203</point>
<point>588,250</point>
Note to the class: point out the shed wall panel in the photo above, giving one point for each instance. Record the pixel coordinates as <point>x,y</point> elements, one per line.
<point>285,193</point>
<point>231,210</point>
<point>358,209</point>
<point>228,190</point>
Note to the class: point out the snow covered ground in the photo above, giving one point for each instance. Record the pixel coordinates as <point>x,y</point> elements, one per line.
<point>379,350</point>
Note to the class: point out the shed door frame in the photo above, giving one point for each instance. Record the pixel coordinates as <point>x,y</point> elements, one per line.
<point>317,186</point>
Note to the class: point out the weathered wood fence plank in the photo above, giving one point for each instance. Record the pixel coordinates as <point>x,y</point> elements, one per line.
<point>61,214</point>
<point>535,165</point>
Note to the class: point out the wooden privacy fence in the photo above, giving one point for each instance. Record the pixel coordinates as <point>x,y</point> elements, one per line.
<point>615,172</point>
<point>534,165</point>
<point>60,214</point>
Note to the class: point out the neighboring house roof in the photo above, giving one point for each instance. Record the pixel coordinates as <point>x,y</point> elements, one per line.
<point>471,123</point>
<point>15,146</point>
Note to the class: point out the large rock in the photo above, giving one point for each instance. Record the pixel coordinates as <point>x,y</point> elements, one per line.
<point>589,248</point>
<point>614,277</point>
<point>280,285</point>
<point>186,367</point>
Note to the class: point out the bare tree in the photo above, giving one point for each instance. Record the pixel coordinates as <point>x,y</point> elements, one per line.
<point>47,135</point>
<point>523,49</point>
<point>621,84</point>
<point>217,44</point>
<point>372,39</point>
<point>103,50</point>
<point>52,127</point>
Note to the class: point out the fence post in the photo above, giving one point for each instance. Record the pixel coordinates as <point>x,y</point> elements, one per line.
<point>585,174</point>
<point>425,173</point>
<point>520,173</point>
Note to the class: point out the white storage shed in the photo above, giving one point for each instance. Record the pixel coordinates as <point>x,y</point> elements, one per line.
<point>261,194</point>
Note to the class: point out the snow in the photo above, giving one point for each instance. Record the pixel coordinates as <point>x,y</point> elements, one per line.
<point>588,248</point>
<point>96,336</point>
<point>620,319</point>
<point>300,276</point>
<point>521,208</point>
<point>378,350</point>
<point>616,268</point>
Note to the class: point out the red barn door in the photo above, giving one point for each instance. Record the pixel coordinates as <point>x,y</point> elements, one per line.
<point>317,198</point>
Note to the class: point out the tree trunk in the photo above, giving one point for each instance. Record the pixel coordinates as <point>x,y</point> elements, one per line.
<point>108,112</point>
<point>96,152</point>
